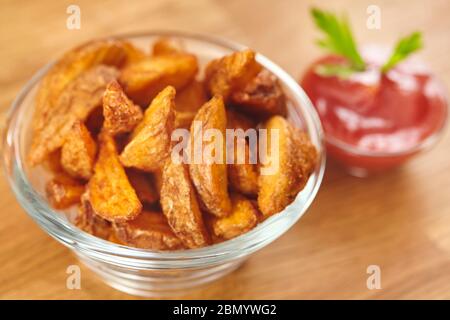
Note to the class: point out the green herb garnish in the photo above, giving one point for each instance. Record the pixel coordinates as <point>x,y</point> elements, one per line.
<point>338,38</point>
<point>329,70</point>
<point>403,49</point>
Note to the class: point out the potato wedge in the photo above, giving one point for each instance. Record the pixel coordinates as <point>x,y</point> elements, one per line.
<point>149,230</point>
<point>70,66</point>
<point>144,79</point>
<point>210,175</point>
<point>232,72</point>
<point>180,206</point>
<point>91,223</point>
<point>165,46</point>
<point>285,169</point>
<point>76,102</point>
<point>242,172</point>
<point>63,191</point>
<point>150,141</point>
<point>243,177</point>
<point>110,193</point>
<point>187,102</point>
<point>262,96</point>
<point>120,113</point>
<point>243,218</point>
<point>78,152</point>
<point>142,183</point>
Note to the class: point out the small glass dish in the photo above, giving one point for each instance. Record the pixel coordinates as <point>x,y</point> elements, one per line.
<point>144,272</point>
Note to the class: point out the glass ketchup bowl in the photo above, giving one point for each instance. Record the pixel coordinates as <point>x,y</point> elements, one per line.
<point>375,121</point>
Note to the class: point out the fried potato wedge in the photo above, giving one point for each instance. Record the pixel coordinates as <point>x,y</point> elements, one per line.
<point>110,193</point>
<point>120,113</point>
<point>180,205</point>
<point>142,183</point>
<point>91,223</point>
<point>243,218</point>
<point>243,176</point>
<point>149,230</point>
<point>76,102</point>
<point>285,169</point>
<point>70,66</point>
<point>262,96</point>
<point>242,172</point>
<point>166,46</point>
<point>232,72</point>
<point>187,102</point>
<point>144,79</point>
<point>78,152</point>
<point>151,139</point>
<point>209,170</point>
<point>63,191</point>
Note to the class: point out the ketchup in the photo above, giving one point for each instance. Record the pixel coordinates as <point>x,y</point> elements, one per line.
<point>372,120</point>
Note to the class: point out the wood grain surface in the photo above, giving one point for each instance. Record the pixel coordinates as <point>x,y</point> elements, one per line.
<point>399,220</point>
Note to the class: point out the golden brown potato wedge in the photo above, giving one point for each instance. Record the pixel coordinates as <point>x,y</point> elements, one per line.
<point>142,183</point>
<point>63,191</point>
<point>208,169</point>
<point>78,152</point>
<point>243,176</point>
<point>165,46</point>
<point>285,169</point>
<point>76,102</point>
<point>180,206</point>
<point>120,113</point>
<point>262,96</point>
<point>187,102</point>
<point>232,72</point>
<point>243,218</point>
<point>144,79</point>
<point>88,221</point>
<point>110,193</point>
<point>73,64</point>
<point>149,230</point>
<point>151,139</point>
<point>53,162</point>
<point>242,172</point>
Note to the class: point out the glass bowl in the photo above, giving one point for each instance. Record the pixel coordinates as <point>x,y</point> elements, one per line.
<point>139,271</point>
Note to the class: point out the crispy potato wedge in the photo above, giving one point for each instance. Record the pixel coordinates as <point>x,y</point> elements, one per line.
<point>166,46</point>
<point>120,113</point>
<point>285,171</point>
<point>91,223</point>
<point>53,162</point>
<point>110,193</point>
<point>144,79</point>
<point>78,152</point>
<point>180,206</point>
<point>149,230</point>
<point>242,173</point>
<point>232,72</point>
<point>63,191</point>
<point>76,102</point>
<point>187,102</point>
<point>210,175</point>
<point>142,183</point>
<point>243,177</point>
<point>243,218</point>
<point>262,96</point>
<point>150,140</point>
<point>70,66</point>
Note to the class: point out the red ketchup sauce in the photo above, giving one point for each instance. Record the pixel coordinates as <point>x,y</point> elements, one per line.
<point>374,121</point>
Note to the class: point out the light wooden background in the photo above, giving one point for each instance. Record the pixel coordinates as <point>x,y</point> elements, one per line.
<point>399,221</point>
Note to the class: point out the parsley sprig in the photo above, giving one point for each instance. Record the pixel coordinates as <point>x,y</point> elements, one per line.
<point>339,40</point>
<point>338,37</point>
<point>403,49</point>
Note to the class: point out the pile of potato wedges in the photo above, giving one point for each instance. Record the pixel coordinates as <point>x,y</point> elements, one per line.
<point>103,125</point>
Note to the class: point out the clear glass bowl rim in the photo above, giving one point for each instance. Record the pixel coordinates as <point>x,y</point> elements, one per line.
<point>136,258</point>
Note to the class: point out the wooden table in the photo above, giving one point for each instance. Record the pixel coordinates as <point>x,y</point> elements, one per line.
<point>399,221</point>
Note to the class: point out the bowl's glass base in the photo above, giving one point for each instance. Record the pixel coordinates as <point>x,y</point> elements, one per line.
<point>158,283</point>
